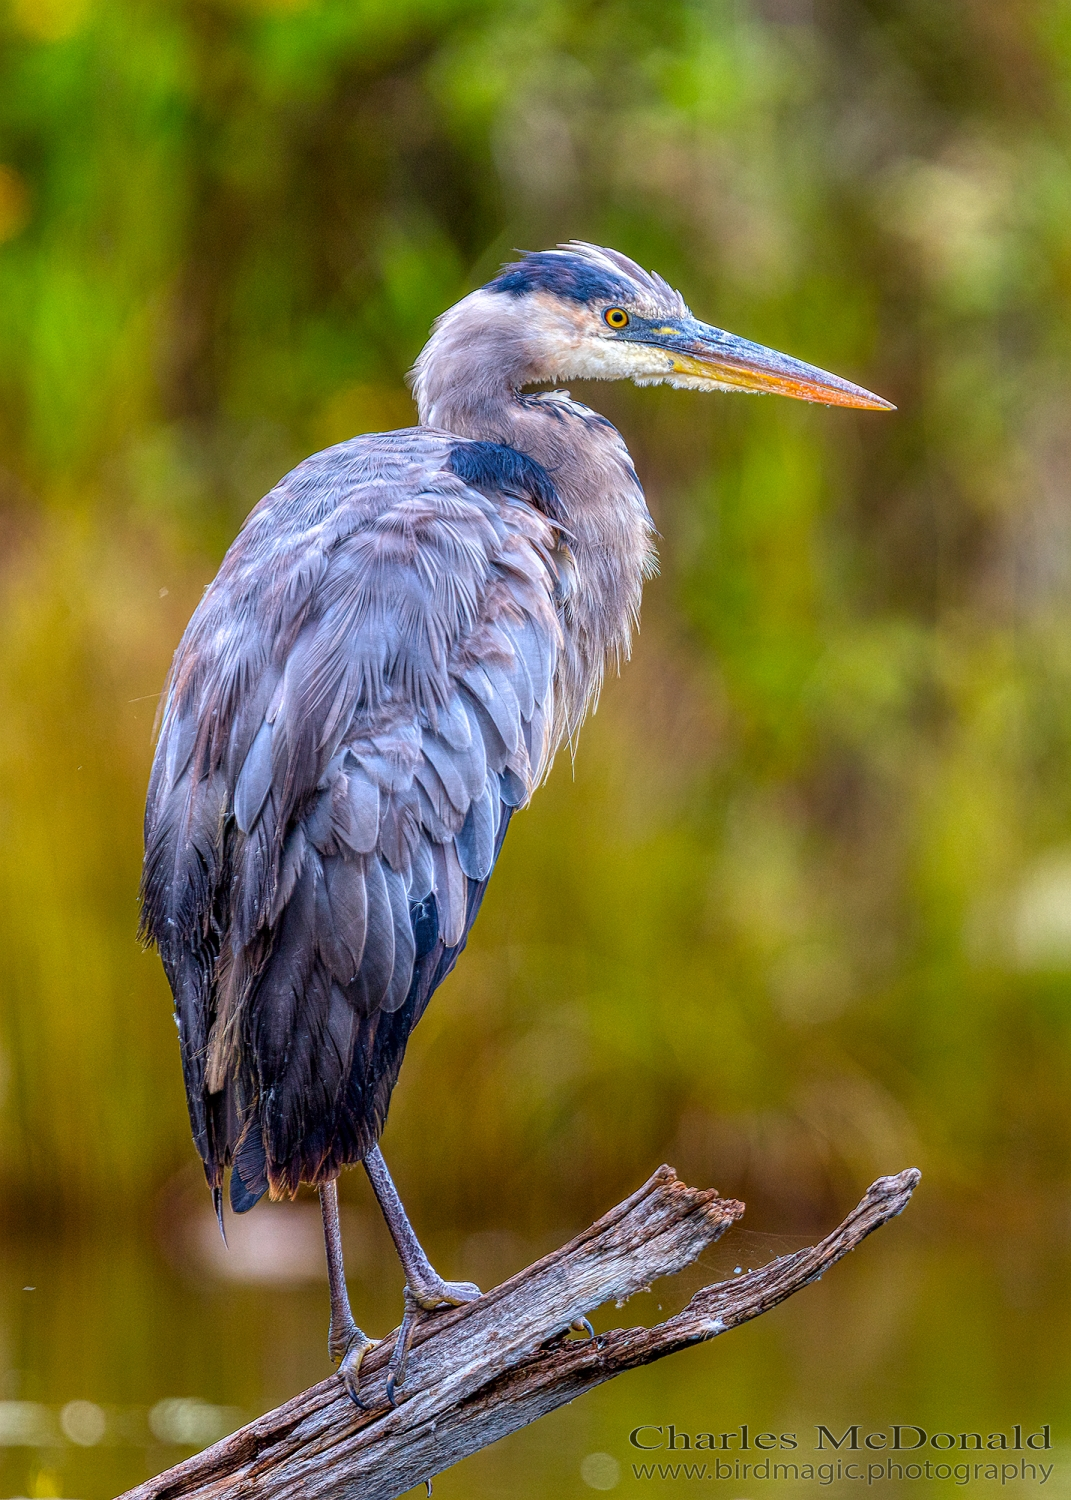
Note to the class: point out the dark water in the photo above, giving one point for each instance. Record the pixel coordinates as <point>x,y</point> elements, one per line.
<point>122,1353</point>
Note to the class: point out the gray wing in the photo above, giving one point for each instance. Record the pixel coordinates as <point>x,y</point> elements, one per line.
<point>361,699</point>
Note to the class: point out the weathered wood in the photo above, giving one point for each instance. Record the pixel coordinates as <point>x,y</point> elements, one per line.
<point>481,1371</point>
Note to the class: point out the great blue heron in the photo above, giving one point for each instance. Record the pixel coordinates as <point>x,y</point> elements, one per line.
<point>404,631</point>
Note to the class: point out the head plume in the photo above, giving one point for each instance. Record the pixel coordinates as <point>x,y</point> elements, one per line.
<point>582,272</point>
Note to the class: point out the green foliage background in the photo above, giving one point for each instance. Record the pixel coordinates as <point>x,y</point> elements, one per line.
<point>802,910</point>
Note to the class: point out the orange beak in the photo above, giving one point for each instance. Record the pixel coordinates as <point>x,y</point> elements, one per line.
<point>718,360</point>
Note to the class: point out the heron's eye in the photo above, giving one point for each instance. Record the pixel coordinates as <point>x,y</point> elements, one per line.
<point>617,317</point>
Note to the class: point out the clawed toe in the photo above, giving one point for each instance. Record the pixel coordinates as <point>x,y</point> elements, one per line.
<point>400,1353</point>
<point>581,1325</point>
<point>349,1368</point>
<point>439,1293</point>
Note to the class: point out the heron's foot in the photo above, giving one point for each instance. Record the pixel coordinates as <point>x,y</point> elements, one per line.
<point>581,1325</point>
<point>349,1364</point>
<point>433,1294</point>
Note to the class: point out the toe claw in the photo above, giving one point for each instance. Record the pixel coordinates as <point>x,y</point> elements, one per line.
<point>581,1325</point>
<point>400,1353</point>
<point>350,1367</point>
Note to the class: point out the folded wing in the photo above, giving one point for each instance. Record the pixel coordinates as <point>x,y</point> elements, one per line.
<point>362,698</point>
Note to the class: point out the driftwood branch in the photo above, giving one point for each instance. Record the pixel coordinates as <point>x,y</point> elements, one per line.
<point>481,1371</point>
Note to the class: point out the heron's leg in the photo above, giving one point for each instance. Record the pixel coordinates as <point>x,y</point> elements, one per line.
<point>425,1289</point>
<point>428,1288</point>
<point>346,1344</point>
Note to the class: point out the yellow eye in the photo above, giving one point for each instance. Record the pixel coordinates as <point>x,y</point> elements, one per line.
<point>617,317</point>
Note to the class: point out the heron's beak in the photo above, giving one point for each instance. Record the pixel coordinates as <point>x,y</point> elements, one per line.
<point>708,357</point>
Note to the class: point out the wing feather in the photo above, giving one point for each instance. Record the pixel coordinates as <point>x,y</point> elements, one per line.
<point>364,811</point>
<point>450,775</point>
<point>345,925</point>
<point>404,944</point>
<point>451,892</point>
<point>254,782</point>
<point>453,724</point>
<point>423,872</point>
<point>499,701</point>
<point>373,980</point>
<point>476,841</point>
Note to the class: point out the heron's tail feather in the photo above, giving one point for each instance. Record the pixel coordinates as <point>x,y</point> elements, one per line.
<point>249,1173</point>
<point>217,1204</point>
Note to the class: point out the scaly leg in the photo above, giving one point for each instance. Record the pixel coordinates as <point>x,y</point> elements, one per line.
<point>346,1344</point>
<point>425,1289</point>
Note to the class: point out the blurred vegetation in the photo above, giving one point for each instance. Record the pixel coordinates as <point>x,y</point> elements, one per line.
<point>802,910</point>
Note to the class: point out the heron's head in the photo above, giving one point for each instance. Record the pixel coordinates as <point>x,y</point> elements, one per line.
<point>600,317</point>
<point>583,312</point>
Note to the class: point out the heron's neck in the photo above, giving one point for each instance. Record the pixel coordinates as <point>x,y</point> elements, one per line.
<point>607,548</point>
